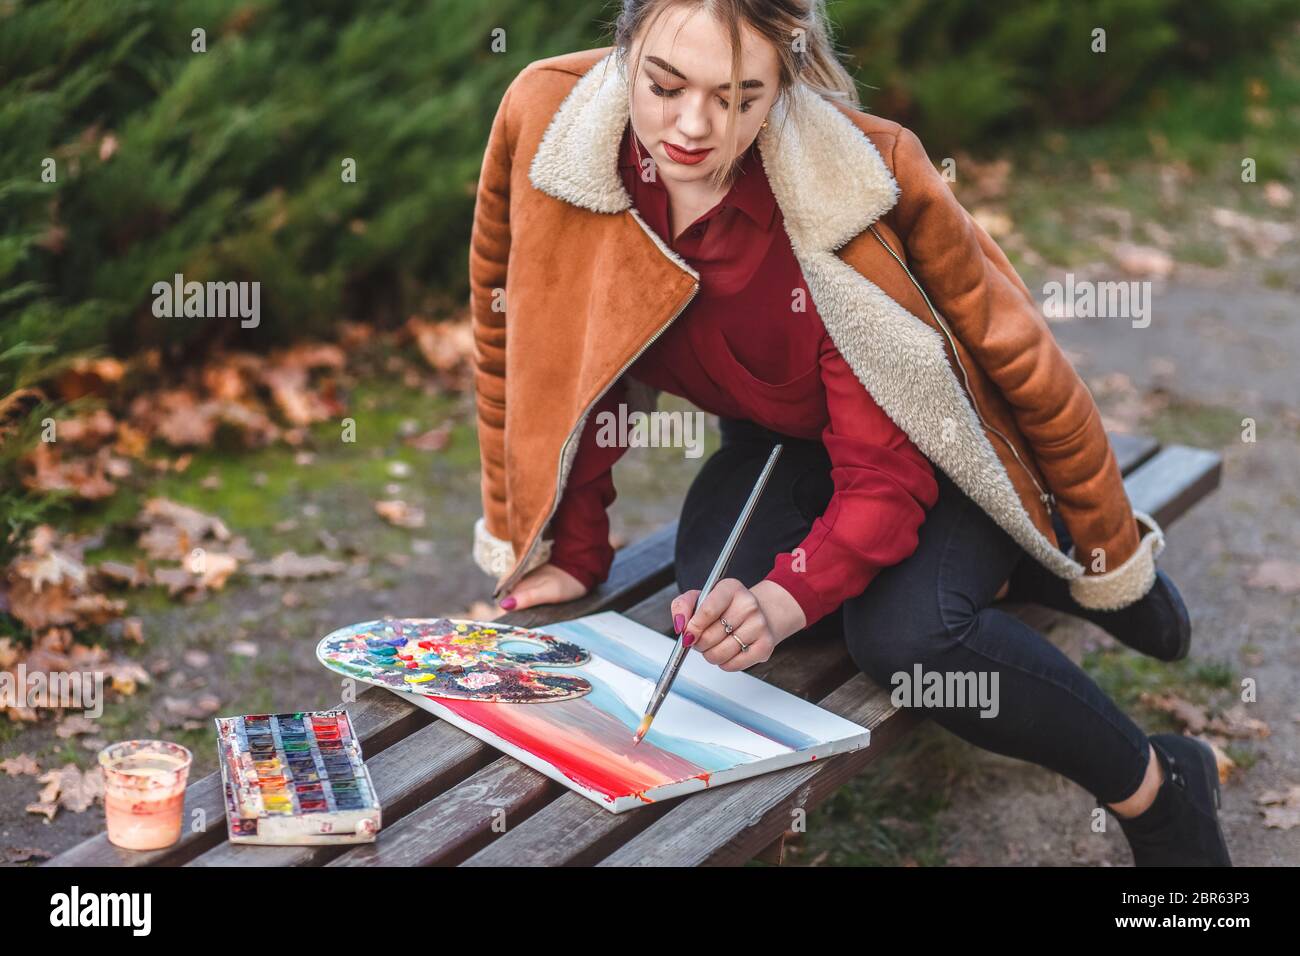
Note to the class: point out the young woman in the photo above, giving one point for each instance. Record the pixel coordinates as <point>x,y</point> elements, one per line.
<point>702,209</point>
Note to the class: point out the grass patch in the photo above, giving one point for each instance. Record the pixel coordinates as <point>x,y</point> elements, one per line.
<point>1125,676</point>
<point>889,814</point>
<point>1186,422</point>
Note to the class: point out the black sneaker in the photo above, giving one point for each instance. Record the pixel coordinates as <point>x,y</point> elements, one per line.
<point>1181,827</point>
<point>1157,624</point>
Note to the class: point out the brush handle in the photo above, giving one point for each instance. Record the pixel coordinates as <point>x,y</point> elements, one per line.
<point>678,656</point>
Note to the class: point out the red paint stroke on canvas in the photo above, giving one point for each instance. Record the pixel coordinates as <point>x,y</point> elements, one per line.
<point>590,747</point>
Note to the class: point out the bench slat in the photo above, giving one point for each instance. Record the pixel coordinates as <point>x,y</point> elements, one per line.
<point>450,828</point>
<point>1132,450</point>
<point>1173,480</point>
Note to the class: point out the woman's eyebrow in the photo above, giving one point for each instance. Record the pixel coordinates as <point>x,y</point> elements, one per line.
<point>664,65</point>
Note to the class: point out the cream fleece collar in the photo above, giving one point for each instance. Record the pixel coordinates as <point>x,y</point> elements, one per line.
<point>826,175</point>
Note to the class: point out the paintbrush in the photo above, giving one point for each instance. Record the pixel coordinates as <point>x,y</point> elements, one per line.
<point>719,568</point>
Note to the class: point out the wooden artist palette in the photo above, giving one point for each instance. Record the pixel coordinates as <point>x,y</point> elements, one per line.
<point>464,660</point>
<point>295,779</point>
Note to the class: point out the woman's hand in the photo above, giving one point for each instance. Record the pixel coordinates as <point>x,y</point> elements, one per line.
<point>762,617</point>
<point>546,584</point>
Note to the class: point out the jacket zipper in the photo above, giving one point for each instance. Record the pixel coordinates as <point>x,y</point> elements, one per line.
<point>510,582</point>
<point>1047,498</point>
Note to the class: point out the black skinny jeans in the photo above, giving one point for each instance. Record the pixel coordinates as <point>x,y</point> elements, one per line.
<point>934,609</point>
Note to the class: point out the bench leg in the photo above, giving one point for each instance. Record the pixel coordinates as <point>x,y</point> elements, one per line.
<point>774,852</point>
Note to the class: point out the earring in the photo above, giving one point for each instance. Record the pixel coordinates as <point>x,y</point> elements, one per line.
<point>764,126</point>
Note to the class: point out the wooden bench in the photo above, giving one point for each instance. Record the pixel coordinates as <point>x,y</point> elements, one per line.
<point>442,789</point>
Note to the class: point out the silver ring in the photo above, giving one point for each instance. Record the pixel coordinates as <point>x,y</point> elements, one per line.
<point>727,627</point>
<point>743,646</point>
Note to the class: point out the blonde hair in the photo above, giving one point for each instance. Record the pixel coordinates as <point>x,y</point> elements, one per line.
<point>797,29</point>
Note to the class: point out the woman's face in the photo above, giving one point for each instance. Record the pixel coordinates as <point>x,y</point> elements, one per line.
<point>682,92</point>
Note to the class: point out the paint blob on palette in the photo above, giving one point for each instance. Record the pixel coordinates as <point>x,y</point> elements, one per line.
<point>466,660</point>
<point>295,779</point>
<point>585,684</point>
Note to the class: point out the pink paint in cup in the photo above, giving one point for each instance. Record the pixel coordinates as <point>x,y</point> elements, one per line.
<point>144,792</point>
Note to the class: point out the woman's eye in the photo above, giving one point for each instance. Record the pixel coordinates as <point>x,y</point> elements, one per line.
<point>658,90</point>
<point>744,105</point>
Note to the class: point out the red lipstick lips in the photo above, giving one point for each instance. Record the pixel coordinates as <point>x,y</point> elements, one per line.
<point>687,157</point>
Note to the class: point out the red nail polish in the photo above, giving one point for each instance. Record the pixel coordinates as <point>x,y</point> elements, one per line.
<point>679,622</point>
<point>509,603</point>
<point>689,639</point>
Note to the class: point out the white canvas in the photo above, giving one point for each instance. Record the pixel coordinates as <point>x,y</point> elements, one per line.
<point>715,727</point>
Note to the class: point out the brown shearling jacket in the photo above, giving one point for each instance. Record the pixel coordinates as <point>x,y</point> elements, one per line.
<point>569,285</point>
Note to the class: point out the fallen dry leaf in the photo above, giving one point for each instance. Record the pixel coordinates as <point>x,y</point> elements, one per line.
<point>198,708</point>
<point>24,854</point>
<point>15,409</point>
<point>173,530</point>
<point>47,470</point>
<point>47,809</point>
<point>126,676</point>
<point>1143,261</point>
<point>88,431</point>
<point>196,658</point>
<point>1281,808</point>
<point>1236,722</point>
<point>1192,716</point>
<point>22,764</point>
<point>74,725</point>
<point>68,788</point>
<point>448,347</point>
<point>291,566</point>
<point>178,417</point>
<point>48,584</point>
<point>435,439</point>
<point>1262,237</point>
<point>89,376</point>
<point>1225,764</point>
<point>399,513</point>
<point>131,442</point>
<point>119,572</point>
<point>1281,576</point>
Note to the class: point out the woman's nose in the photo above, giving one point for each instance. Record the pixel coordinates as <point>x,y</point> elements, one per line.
<point>693,121</point>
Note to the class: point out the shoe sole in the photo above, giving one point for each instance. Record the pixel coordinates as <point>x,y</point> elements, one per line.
<point>1210,768</point>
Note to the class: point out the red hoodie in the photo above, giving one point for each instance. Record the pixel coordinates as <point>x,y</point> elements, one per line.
<point>751,345</point>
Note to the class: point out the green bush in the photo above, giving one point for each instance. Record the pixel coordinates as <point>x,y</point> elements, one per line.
<point>226,164</point>
<point>959,71</point>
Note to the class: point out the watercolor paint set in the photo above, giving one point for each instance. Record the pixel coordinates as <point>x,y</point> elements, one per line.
<point>295,779</point>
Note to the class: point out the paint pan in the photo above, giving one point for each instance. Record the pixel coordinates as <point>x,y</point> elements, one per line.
<point>295,779</point>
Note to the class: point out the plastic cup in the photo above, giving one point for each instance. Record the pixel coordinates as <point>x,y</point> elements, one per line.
<point>144,792</point>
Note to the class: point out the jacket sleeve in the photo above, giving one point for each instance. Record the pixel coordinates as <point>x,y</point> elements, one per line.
<point>489,252</point>
<point>883,488</point>
<point>990,309</point>
<point>581,522</point>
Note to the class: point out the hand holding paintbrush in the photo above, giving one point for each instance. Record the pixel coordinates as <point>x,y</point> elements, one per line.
<point>678,655</point>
